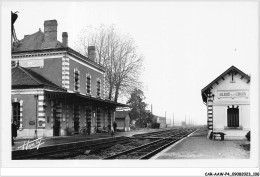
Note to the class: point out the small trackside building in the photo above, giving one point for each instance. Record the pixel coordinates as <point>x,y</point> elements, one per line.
<point>228,103</point>
<point>122,119</point>
<point>161,121</point>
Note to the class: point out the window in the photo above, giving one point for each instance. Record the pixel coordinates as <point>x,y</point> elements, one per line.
<point>76,80</point>
<point>16,113</point>
<point>98,88</point>
<point>88,84</point>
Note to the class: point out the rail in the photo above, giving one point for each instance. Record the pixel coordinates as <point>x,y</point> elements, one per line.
<point>147,150</point>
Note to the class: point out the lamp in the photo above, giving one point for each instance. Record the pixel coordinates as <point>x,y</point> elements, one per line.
<point>213,97</point>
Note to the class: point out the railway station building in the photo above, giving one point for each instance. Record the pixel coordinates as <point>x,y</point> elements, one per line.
<point>55,89</point>
<point>228,103</point>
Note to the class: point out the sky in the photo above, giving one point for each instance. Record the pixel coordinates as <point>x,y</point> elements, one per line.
<point>185,45</point>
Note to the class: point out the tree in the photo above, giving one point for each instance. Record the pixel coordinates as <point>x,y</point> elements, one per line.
<point>138,108</point>
<point>118,54</point>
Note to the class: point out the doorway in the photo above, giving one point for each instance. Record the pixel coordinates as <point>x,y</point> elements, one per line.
<point>88,120</point>
<point>56,126</point>
<point>233,117</point>
<point>16,113</point>
<point>76,119</point>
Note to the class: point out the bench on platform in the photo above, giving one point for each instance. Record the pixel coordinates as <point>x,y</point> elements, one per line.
<point>217,134</point>
<point>103,130</point>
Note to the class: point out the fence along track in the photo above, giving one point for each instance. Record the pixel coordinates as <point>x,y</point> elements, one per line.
<point>159,145</point>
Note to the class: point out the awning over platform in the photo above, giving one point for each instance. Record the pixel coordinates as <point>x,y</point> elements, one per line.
<point>80,97</point>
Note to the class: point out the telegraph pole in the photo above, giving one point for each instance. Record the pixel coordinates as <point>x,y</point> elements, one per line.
<point>173,119</point>
<point>165,117</point>
<point>185,121</point>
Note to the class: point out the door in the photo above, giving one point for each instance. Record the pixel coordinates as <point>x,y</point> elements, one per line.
<point>56,127</point>
<point>233,117</point>
<point>16,113</point>
<point>89,127</point>
<point>88,120</point>
<point>76,119</point>
<point>76,124</point>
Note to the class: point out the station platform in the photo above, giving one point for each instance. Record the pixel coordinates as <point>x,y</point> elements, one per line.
<point>198,146</point>
<point>48,141</point>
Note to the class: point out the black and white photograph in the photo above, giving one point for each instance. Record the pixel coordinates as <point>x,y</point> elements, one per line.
<point>169,87</point>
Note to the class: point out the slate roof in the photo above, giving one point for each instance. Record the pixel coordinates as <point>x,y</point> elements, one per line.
<point>36,42</point>
<point>233,69</point>
<point>26,78</point>
<point>121,114</point>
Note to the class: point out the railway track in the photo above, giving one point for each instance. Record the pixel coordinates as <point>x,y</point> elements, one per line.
<point>148,150</point>
<point>61,153</point>
<point>153,134</point>
<point>157,141</point>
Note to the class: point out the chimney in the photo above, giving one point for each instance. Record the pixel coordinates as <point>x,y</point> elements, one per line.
<point>92,53</point>
<point>50,31</point>
<point>65,39</point>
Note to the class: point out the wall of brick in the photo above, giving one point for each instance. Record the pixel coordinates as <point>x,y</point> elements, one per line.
<point>29,109</point>
<point>83,71</point>
<point>52,70</point>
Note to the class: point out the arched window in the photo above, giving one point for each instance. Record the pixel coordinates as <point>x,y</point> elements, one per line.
<point>233,117</point>
<point>16,113</point>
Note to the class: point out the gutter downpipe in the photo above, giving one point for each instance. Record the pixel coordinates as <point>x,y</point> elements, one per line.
<point>36,121</point>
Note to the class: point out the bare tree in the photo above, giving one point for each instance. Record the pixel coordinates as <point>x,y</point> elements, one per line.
<point>118,54</point>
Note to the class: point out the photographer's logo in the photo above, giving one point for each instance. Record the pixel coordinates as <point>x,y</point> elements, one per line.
<point>28,145</point>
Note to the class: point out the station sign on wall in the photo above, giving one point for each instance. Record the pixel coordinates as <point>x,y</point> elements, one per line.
<point>31,63</point>
<point>233,93</point>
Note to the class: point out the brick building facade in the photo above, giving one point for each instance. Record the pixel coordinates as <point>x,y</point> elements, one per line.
<point>55,89</point>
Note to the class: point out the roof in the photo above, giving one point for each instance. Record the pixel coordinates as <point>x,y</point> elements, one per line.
<point>26,78</point>
<point>121,114</point>
<point>81,97</point>
<point>206,90</point>
<point>23,78</point>
<point>35,43</point>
